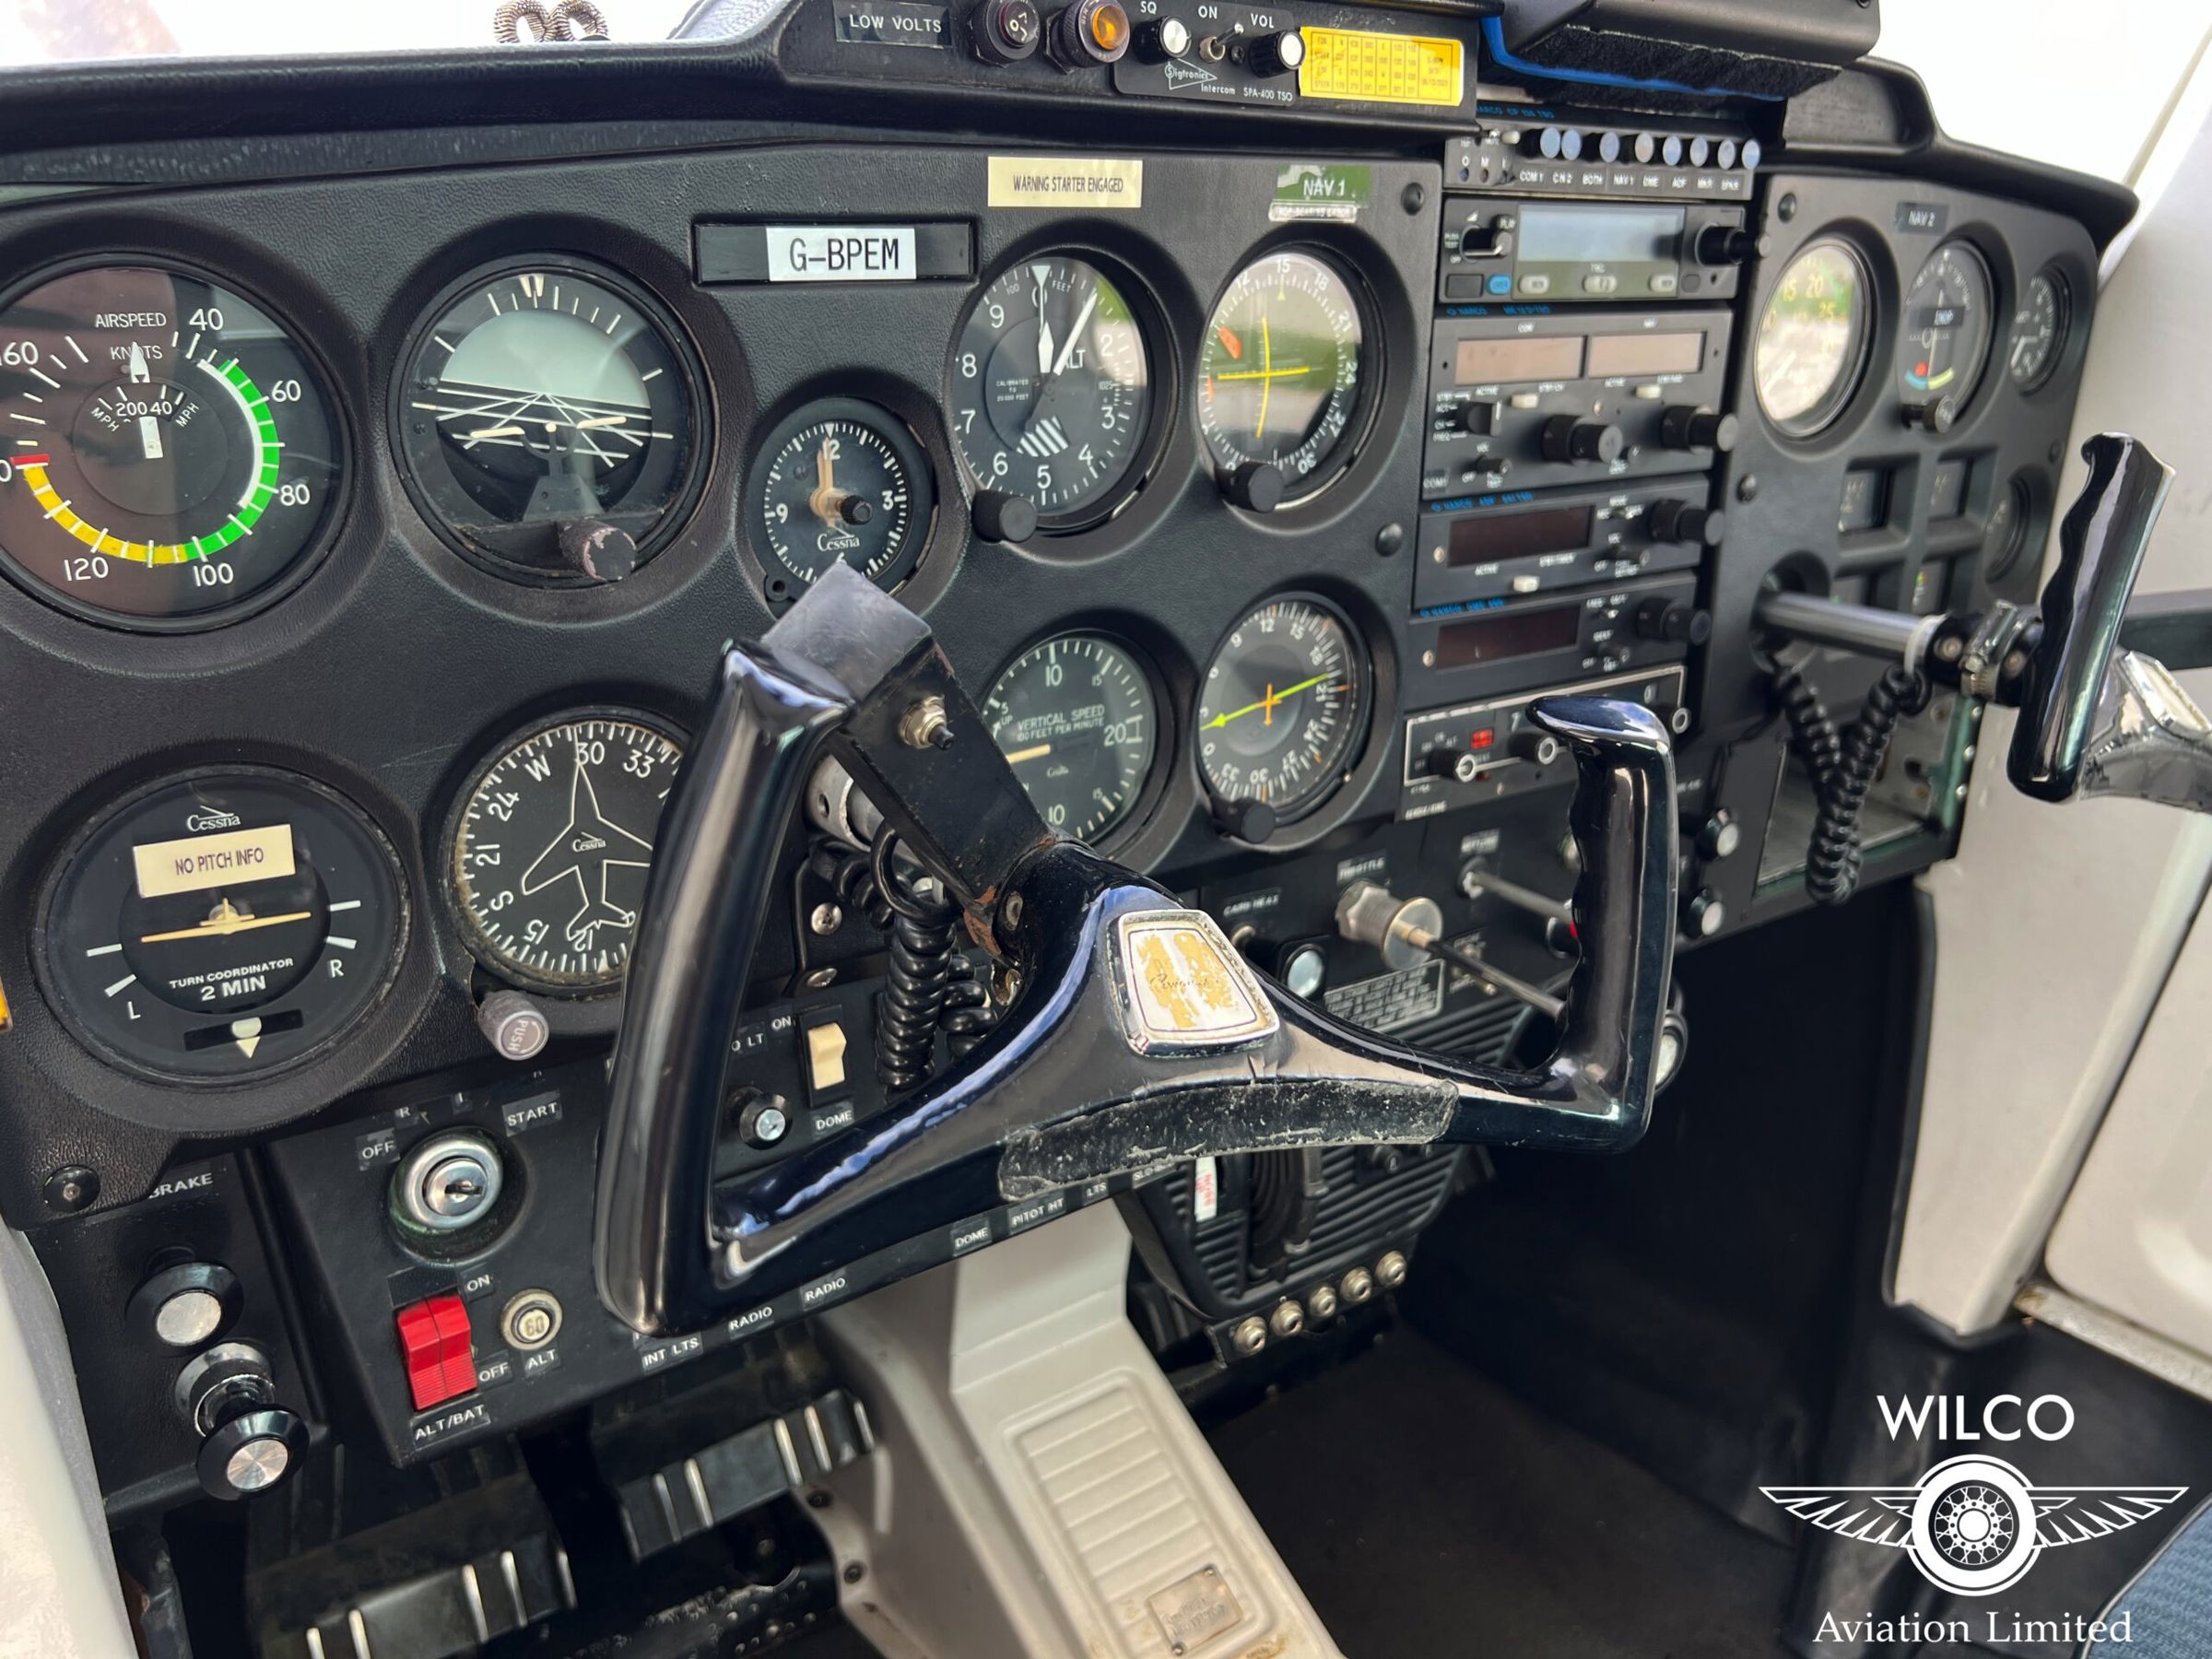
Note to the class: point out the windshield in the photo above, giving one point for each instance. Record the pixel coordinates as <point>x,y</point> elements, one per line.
<point>59,31</point>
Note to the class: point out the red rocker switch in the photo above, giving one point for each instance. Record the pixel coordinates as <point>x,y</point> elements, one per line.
<point>442,1362</point>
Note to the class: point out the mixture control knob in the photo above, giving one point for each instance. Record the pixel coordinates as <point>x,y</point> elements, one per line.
<point>1720,835</point>
<point>1007,31</point>
<point>1162,39</point>
<point>1673,621</point>
<point>1276,54</point>
<point>1255,486</point>
<point>1568,438</point>
<point>1245,821</point>
<point>186,1304</point>
<point>1728,245</point>
<point>1673,521</point>
<point>1688,427</point>
<point>999,517</point>
<point>1090,34</point>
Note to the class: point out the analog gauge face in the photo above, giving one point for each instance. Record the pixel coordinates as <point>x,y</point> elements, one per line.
<point>1944,340</point>
<point>553,846</point>
<point>542,397</point>
<point>168,456</point>
<point>1279,371</point>
<point>840,479</point>
<point>223,925</point>
<point>1283,708</point>
<point>2039,329</point>
<point>1051,390</point>
<point>1812,339</point>
<point>1077,719</point>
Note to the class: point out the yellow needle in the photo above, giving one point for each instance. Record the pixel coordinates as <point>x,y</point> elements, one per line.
<point>1267,702</point>
<point>1266,375</point>
<point>498,432</point>
<point>1035,752</point>
<point>232,925</point>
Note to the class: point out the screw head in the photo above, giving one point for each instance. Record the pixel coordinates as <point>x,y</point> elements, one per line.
<point>854,1572</point>
<point>820,979</point>
<point>818,1499</point>
<point>1411,198</point>
<point>825,920</point>
<point>926,725</point>
<point>1390,539</point>
<point>1013,910</point>
<point>71,1188</point>
<point>1747,488</point>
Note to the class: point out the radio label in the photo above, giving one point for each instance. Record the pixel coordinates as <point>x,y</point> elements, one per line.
<point>1312,190</point>
<point>1927,218</point>
<point>1390,1000</point>
<point>841,254</point>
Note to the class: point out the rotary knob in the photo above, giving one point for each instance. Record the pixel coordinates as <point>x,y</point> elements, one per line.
<point>1007,31</point>
<point>1673,622</point>
<point>248,1441</point>
<point>1727,244</point>
<point>1276,54</point>
<point>1255,486</point>
<point>999,517</point>
<point>1566,438</point>
<point>1673,521</point>
<point>1688,426</point>
<point>1162,40</point>
<point>1244,820</point>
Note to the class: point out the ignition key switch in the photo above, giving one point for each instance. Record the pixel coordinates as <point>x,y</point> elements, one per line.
<point>450,1182</point>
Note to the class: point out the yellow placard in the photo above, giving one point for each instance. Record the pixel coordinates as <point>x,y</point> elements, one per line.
<point>210,861</point>
<point>1367,67</point>
<point>1066,181</point>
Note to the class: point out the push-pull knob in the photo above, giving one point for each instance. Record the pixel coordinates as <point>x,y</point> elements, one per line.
<point>248,1442</point>
<point>1726,245</point>
<point>1566,438</point>
<point>1404,931</point>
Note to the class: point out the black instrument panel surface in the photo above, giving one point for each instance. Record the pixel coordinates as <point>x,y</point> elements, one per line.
<point>394,671</point>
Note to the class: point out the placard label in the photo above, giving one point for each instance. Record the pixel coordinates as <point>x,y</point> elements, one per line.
<point>841,254</point>
<point>211,861</point>
<point>1066,181</point>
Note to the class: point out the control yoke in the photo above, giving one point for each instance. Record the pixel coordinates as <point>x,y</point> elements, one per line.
<point>2097,716</point>
<point>1133,1033</point>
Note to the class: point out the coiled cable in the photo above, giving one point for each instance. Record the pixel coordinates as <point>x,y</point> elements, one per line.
<point>970,1015</point>
<point>1834,860</point>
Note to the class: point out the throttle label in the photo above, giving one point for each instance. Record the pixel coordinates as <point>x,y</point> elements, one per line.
<point>211,861</point>
<point>1362,67</point>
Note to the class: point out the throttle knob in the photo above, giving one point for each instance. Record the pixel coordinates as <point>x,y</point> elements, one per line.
<point>1687,427</point>
<point>1568,438</point>
<point>1672,521</point>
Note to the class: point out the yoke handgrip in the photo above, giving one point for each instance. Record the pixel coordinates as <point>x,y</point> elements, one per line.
<point>2102,544</point>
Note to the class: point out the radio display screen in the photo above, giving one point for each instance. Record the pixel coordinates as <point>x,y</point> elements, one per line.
<point>1517,536</point>
<point>1509,633</point>
<point>1645,354</point>
<point>1600,235</point>
<point>1521,358</point>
